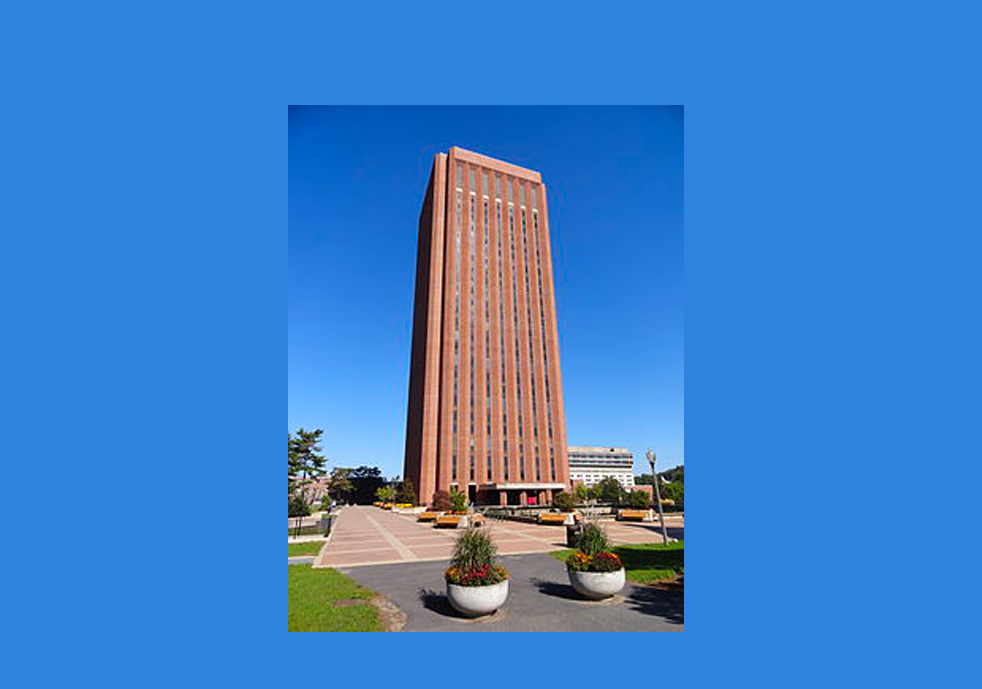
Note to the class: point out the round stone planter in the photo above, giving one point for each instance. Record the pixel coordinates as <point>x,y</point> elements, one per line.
<point>474,601</point>
<point>597,585</point>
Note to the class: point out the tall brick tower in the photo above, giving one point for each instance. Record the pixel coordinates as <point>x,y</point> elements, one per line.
<point>485,394</point>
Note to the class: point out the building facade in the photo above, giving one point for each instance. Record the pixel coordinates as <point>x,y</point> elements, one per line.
<point>485,395</point>
<point>590,465</point>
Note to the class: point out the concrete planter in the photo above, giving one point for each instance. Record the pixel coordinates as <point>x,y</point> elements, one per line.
<point>597,585</point>
<point>475,601</point>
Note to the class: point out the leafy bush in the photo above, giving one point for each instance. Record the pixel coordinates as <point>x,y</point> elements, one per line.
<point>638,499</point>
<point>458,500</point>
<point>441,501</point>
<point>474,561</point>
<point>563,501</point>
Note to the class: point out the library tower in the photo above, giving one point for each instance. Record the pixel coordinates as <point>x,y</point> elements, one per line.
<point>485,395</point>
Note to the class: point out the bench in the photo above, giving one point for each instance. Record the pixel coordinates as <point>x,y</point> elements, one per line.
<point>450,521</point>
<point>635,515</point>
<point>556,518</point>
<point>428,516</point>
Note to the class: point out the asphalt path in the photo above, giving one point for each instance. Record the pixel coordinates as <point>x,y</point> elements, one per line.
<point>540,599</point>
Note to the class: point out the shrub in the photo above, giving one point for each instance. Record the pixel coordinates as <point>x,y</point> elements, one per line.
<point>638,499</point>
<point>441,501</point>
<point>563,502</point>
<point>458,500</point>
<point>474,561</point>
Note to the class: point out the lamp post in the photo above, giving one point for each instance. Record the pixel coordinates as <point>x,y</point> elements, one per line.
<point>650,454</point>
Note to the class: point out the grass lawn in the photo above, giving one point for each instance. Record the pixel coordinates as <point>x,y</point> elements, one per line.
<point>309,548</point>
<point>313,593</point>
<point>646,563</point>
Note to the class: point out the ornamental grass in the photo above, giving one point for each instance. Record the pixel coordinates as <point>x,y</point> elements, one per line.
<point>474,561</point>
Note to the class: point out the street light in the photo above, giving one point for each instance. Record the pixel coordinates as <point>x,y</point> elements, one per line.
<point>650,454</point>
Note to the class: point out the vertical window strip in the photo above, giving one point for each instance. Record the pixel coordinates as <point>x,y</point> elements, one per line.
<point>518,358</point>
<point>473,201</point>
<point>456,358</point>
<point>501,332</point>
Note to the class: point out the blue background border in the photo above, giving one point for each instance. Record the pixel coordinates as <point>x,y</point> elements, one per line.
<point>146,183</point>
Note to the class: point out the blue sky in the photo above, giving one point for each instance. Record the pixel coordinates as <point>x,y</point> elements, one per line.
<point>615,184</point>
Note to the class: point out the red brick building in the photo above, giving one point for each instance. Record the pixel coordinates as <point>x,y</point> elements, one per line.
<point>485,394</point>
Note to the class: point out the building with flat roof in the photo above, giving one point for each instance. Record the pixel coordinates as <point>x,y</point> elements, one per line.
<point>485,395</point>
<point>590,465</point>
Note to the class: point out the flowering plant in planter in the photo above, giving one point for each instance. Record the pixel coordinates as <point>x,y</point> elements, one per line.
<point>474,561</point>
<point>601,562</point>
<point>476,583</point>
<point>594,571</point>
<point>477,575</point>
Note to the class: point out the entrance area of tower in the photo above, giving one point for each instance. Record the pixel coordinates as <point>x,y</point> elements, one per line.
<point>510,498</point>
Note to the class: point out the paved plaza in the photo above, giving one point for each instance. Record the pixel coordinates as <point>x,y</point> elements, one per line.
<point>369,536</point>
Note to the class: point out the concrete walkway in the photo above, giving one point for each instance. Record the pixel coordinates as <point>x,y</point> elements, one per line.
<point>540,599</point>
<point>371,536</point>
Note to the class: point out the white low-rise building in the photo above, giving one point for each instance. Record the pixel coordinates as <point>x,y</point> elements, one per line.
<point>590,465</point>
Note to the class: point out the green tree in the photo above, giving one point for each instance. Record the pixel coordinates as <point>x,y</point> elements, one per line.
<point>610,491</point>
<point>580,494</point>
<point>563,501</point>
<point>644,480</point>
<point>386,493</point>
<point>407,492</point>
<point>675,491</point>
<point>638,499</point>
<point>339,486</point>
<point>305,465</point>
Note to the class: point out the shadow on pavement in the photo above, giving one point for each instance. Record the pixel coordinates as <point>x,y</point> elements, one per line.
<point>552,588</point>
<point>438,603</point>
<point>669,605</point>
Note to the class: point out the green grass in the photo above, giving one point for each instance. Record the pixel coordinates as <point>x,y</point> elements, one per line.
<point>309,548</point>
<point>313,593</point>
<point>646,563</point>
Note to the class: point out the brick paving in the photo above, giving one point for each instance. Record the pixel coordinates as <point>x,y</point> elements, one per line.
<point>371,536</point>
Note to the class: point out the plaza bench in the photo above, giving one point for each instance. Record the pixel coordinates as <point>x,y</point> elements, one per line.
<point>636,515</point>
<point>428,516</point>
<point>559,518</point>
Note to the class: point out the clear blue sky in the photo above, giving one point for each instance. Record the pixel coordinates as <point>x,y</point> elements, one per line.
<point>615,184</point>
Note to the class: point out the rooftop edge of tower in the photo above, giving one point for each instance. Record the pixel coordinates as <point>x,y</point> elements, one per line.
<point>458,153</point>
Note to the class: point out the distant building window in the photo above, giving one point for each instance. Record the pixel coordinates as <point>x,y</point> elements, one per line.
<point>460,176</point>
